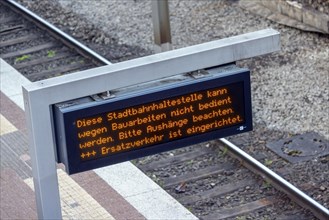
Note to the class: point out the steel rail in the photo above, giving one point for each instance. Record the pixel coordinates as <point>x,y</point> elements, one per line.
<point>277,181</point>
<point>57,33</point>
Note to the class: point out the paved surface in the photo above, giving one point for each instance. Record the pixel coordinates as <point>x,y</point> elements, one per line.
<point>289,13</point>
<point>17,196</point>
<point>116,192</point>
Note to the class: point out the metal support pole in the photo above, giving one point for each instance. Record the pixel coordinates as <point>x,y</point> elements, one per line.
<point>161,25</point>
<point>41,147</point>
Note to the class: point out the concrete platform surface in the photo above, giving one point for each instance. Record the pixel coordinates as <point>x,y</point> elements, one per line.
<point>119,191</point>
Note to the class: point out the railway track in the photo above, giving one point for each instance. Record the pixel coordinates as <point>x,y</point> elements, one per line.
<point>205,178</point>
<point>38,49</point>
<point>207,186</point>
<point>215,182</point>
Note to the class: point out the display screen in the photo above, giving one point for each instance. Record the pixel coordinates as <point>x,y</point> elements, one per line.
<point>165,119</point>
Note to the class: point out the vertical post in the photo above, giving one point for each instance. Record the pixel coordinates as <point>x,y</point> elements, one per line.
<point>42,153</point>
<point>161,25</point>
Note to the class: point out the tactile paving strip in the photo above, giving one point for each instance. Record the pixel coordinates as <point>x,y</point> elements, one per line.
<point>75,201</point>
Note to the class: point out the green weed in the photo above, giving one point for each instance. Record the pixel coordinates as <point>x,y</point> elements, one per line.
<point>22,58</point>
<point>268,162</point>
<point>51,53</point>
<point>266,184</point>
<point>224,151</point>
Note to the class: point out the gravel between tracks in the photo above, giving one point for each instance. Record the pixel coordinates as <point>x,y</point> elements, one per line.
<point>290,88</point>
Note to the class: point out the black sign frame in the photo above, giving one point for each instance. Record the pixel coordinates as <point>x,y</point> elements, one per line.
<point>66,117</point>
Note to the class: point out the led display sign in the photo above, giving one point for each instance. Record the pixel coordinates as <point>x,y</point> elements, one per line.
<point>100,133</point>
